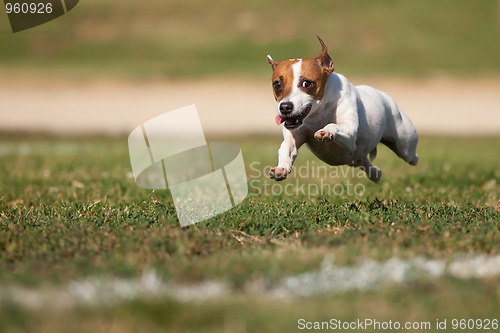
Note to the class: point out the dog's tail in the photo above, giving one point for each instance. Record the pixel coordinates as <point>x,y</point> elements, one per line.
<point>373,154</point>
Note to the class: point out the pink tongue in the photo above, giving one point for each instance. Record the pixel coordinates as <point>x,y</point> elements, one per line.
<point>279,120</point>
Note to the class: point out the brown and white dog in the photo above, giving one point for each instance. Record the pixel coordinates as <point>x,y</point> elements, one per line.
<point>341,123</point>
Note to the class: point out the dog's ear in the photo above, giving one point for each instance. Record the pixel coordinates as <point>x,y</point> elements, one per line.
<point>324,59</point>
<point>272,62</point>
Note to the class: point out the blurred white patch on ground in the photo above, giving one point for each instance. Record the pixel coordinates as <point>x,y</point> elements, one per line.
<point>328,279</point>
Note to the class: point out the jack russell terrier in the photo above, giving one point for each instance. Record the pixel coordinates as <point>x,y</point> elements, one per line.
<point>341,123</point>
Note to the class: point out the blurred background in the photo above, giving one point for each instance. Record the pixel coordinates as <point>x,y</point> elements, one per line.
<point>106,66</point>
<point>71,217</point>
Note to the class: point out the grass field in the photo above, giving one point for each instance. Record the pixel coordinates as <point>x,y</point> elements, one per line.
<point>70,211</point>
<point>178,39</point>
<point>83,249</point>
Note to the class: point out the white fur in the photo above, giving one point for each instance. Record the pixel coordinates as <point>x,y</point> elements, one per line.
<point>345,126</point>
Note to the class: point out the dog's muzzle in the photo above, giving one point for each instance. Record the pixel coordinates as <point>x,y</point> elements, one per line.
<point>292,122</point>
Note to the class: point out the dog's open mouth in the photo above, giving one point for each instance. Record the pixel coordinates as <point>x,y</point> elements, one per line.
<point>295,121</point>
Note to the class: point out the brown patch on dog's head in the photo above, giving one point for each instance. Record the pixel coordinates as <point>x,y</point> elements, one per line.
<point>315,73</point>
<point>313,76</point>
<point>282,79</point>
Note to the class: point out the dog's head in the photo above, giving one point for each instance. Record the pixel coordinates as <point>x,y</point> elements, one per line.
<point>299,84</point>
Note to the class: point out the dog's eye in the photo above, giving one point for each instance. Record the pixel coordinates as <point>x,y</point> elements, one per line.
<point>306,84</point>
<point>277,85</point>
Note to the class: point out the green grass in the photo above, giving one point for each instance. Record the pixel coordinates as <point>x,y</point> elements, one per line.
<point>177,38</point>
<point>69,210</point>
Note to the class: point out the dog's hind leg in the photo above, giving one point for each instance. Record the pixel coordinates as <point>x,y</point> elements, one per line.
<point>373,154</point>
<point>405,149</point>
<point>401,137</point>
<point>403,142</point>
<point>373,173</point>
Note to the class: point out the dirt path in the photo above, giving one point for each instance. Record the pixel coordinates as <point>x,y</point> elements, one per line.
<point>438,106</point>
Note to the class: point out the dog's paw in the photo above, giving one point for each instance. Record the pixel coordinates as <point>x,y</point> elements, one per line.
<point>323,135</point>
<point>375,174</point>
<point>278,173</point>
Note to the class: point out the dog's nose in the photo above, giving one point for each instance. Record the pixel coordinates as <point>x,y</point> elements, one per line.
<point>286,107</point>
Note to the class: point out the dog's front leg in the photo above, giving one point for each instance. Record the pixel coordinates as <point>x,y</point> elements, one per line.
<point>286,156</point>
<point>345,130</point>
<point>344,135</point>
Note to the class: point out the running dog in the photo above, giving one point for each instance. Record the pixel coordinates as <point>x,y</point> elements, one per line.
<point>341,123</point>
